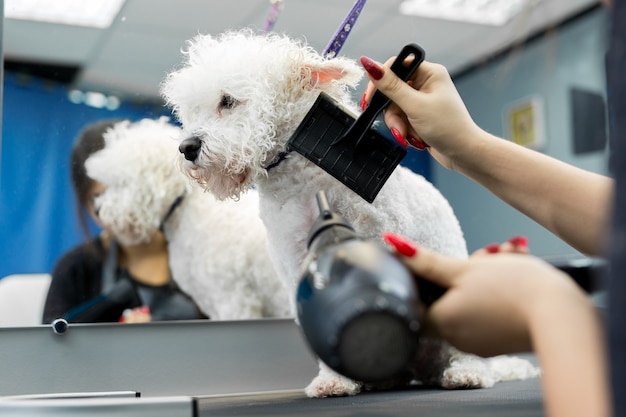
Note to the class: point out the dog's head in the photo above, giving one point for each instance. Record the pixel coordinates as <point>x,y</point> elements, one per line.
<point>240,96</point>
<point>139,170</point>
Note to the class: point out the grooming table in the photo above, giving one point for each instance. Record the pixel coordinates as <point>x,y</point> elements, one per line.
<point>204,368</point>
<point>507,399</point>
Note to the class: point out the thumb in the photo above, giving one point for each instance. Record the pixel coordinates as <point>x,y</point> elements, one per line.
<point>388,83</point>
<point>424,263</point>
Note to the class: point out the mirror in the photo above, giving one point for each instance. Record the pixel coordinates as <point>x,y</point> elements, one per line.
<point>538,58</point>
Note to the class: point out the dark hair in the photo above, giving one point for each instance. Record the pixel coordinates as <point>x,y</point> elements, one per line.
<point>89,141</point>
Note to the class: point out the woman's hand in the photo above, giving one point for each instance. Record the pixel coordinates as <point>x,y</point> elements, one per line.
<point>136,315</point>
<point>493,300</point>
<point>509,302</point>
<point>426,109</point>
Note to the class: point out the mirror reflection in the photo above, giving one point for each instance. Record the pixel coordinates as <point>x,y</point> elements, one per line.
<point>533,79</point>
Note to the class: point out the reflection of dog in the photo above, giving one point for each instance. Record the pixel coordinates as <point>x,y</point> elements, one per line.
<point>217,249</point>
<point>240,97</point>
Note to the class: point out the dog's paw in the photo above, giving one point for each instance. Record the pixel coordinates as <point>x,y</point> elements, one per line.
<point>332,386</point>
<point>467,374</point>
<point>511,368</point>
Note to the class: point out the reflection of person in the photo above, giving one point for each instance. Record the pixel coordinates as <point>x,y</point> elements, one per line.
<point>102,265</point>
<point>505,303</point>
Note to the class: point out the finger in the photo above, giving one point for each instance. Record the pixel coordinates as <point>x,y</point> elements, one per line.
<point>519,244</point>
<point>508,247</point>
<point>389,84</point>
<point>439,269</point>
<point>490,249</point>
<point>417,142</point>
<point>395,119</point>
<point>367,95</point>
<point>369,90</point>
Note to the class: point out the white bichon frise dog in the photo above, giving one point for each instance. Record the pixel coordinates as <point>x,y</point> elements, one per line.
<point>218,249</point>
<point>240,97</point>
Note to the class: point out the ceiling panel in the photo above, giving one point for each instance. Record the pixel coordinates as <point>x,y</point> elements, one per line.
<point>132,56</point>
<point>47,42</point>
<point>184,15</point>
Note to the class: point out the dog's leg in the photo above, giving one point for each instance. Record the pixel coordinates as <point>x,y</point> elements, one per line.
<point>439,364</point>
<point>469,371</point>
<point>512,368</point>
<point>328,383</point>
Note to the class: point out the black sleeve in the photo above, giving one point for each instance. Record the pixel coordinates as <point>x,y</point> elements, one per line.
<point>616,68</point>
<point>76,278</point>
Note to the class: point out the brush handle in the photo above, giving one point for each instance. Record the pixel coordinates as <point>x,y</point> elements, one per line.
<point>379,101</point>
<point>403,70</point>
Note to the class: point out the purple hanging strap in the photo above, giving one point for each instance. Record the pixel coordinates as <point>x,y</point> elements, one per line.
<point>337,41</point>
<point>273,15</point>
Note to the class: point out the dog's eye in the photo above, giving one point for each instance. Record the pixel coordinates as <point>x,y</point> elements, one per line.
<point>228,102</point>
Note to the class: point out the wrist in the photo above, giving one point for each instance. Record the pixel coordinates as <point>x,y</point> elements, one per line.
<point>555,303</point>
<point>466,154</point>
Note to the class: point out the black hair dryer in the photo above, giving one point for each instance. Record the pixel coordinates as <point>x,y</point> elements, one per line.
<point>358,305</point>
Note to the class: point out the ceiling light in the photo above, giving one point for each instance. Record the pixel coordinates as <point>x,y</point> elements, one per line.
<point>91,13</point>
<point>94,99</point>
<point>486,12</point>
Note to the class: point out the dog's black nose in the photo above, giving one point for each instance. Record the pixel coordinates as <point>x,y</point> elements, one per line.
<point>190,147</point>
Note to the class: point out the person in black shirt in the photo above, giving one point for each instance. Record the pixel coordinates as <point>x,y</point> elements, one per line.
<point>103,281</point>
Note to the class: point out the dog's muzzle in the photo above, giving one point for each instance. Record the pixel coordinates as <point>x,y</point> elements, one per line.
<point>190,147</point>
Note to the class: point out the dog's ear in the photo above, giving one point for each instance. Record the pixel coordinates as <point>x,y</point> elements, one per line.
<point>324,73</point>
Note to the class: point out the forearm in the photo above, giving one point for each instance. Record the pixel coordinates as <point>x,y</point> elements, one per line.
<point>568,340</point>
<point>570,202</point>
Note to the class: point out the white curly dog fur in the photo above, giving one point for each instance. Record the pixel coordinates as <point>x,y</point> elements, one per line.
<point>217,249</point>
<point>239,97</point>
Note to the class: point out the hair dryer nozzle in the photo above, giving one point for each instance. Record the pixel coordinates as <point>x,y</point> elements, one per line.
<point>326,219</point>
<point>358,305</point>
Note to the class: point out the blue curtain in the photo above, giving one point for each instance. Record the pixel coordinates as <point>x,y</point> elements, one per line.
<point>38,219</point>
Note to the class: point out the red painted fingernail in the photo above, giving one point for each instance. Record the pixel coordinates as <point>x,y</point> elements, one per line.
<point>398,136</point>
<point>145,309</point>
<point>521,241</point>
<point>372,68</point>
<point>363,102</point>
<point>401,245</point>
<point>492,248</point>
<point>417,143</point>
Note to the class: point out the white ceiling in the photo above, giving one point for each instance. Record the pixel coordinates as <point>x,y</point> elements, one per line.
<point>143,44</point>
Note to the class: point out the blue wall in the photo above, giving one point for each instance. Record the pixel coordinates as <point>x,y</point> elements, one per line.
<point>38,220</point>
<point>548,67</point>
